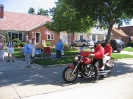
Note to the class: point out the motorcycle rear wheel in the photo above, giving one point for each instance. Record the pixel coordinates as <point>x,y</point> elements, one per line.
<point>66,75</point>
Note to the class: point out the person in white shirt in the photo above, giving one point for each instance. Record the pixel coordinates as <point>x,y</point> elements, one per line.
<point>33,50</point>
<point>10,49</point>
<point>2,50</point>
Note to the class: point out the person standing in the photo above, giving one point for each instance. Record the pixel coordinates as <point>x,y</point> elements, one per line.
<point>59,47</point>
<point>27,53</point>
<point>33,50</point>
<point>1,50</point>
<point>10,49</point>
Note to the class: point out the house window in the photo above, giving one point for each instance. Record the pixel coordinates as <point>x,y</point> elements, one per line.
<point>94,37</point>
<point>50,37</point>
<point>14,35</point>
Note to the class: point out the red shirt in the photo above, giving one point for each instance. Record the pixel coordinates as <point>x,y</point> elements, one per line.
<point>108,49</point>
<point>99,52</point>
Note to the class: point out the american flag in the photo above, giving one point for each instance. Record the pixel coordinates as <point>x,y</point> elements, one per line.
<point>47,32</point>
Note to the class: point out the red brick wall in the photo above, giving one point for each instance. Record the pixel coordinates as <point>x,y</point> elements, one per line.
<point>125,39</point>
<point>42,30</point>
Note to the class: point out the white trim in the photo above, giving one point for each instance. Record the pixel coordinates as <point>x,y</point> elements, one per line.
<point>50,38</point>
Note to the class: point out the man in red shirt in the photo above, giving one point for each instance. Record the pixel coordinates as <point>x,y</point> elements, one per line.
<point>98,56</point>
<point>107,55</point>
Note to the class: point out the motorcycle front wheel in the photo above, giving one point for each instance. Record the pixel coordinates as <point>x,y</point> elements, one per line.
<point>68,76</point>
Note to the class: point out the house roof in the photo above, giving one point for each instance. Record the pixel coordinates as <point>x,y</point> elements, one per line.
<point>98,31</point>
<point>119,31</point>
<point>127,30</point>
<point>22,21</point>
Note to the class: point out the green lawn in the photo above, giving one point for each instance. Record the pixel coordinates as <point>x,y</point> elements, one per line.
<point>17,53</point>
<point>68,57</point>
<point>128,49</point>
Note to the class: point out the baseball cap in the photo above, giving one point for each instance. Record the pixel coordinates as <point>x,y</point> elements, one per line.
<point>98,42</point>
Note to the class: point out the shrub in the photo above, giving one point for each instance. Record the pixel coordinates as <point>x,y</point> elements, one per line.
<point>48,43</point>
<point>16,44</point>
<point>22,44</point>
<point>16,40</point>
<point>130,44</point>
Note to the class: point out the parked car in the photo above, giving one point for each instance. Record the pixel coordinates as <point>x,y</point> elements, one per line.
<point>91,43</point>
<point>83,43</point>
<point>116,44</point>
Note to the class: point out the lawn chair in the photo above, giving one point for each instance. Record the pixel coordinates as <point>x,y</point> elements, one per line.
<point>39,52</point>
<point>47,52</point>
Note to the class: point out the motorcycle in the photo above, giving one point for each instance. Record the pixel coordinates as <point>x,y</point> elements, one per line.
<point>83,65</point>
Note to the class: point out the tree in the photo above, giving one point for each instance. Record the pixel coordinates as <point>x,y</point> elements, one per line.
<point>65,18</point>
<point>106,12</point>
<point>31,10</point>
<point>41,11</point>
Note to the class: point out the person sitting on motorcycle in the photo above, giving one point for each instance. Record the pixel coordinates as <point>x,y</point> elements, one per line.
<point>98,55</point>
<point>107,53</point>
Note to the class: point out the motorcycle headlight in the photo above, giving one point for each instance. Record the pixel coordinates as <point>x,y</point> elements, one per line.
<point>76,58</point>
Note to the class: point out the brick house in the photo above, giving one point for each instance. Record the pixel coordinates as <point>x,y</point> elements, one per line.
<point>123,33</point>
<point>20,25</point>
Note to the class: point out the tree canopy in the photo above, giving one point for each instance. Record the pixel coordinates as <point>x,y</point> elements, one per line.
<point>31,10</point>
<point>106,12</point>
<point>41,11</point>
<point>65,18</point>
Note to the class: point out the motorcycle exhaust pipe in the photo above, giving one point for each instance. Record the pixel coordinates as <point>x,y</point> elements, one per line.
<point>104,71</point>
<point>101,74</point>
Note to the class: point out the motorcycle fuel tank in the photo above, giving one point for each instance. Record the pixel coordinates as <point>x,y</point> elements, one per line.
<point>87,60</point>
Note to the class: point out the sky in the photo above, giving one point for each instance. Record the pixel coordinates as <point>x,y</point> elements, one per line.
<point>22,6</point>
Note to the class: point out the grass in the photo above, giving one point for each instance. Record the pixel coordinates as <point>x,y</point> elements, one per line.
<point>128,49</point>
<point>121,56</point>
<point>17,53</point>
<point>48,61</point>
<point>68,57</point>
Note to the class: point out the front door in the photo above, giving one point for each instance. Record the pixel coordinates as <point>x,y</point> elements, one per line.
<point>38,37</point>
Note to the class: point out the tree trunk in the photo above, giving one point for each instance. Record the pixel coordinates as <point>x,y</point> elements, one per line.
<point>109,32</point>
<point>70,39</point>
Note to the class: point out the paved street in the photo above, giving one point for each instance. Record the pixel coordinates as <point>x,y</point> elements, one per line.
<point>18,82</point>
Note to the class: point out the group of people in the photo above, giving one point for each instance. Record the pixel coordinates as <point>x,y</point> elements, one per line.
<point>103,54</point>
<point>29,51</point>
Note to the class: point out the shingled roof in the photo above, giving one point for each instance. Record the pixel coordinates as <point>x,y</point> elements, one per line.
<point>22,21</point>
<point>119,31</point>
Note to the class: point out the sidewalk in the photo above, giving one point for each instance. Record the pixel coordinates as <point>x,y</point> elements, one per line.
<point>17,65</point>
